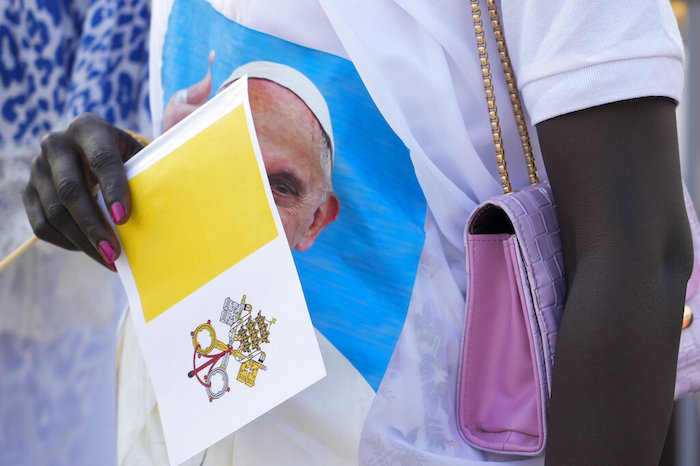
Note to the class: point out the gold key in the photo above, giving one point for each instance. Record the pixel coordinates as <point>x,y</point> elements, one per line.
<point>214,342</point>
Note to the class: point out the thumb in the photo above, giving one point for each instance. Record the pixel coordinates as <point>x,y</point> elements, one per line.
<point>198,93</point>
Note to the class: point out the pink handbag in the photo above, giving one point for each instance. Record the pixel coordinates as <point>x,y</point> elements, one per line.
<point>516,294</point>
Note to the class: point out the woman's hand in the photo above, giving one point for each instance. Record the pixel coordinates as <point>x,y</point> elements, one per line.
<point>59,197</point>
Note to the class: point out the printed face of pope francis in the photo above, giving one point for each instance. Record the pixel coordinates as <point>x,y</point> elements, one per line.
<point>293,145</point>
<point>295,151</point>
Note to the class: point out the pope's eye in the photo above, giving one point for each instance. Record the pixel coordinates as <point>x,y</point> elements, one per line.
<point>286,188</point>
<point>282,188</point>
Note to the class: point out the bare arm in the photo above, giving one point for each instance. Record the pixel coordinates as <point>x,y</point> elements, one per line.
<point>615,174</point>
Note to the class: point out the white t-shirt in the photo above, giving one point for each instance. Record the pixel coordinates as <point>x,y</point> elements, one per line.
<point>418,61</point>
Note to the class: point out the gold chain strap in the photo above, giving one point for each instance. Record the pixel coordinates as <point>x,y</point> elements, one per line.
<point>491,97</point>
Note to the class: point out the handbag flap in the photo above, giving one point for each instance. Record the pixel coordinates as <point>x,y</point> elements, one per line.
<point>500,400</point>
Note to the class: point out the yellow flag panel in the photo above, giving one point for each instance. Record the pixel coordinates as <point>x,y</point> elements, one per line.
<point>195,213</point>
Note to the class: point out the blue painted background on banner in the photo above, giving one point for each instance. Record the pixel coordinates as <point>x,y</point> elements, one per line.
<point>358,276</point>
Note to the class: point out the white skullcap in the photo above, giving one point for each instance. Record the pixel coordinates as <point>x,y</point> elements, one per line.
<point>296,82</point>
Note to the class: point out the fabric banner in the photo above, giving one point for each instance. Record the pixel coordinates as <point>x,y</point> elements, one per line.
<point>358,276</point>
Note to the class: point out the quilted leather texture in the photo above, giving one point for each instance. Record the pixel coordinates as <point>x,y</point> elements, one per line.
<point>688,372</point>
<point>532,213</point>
<point>534,217</point>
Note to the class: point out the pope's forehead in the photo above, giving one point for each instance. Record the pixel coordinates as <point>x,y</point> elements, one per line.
<point>269,93</point>
<point>274,102</point>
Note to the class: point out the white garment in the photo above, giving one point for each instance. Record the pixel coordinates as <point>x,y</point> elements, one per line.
<point>418,62</point>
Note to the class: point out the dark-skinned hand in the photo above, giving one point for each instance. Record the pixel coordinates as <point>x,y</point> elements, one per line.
<point>59,197</point>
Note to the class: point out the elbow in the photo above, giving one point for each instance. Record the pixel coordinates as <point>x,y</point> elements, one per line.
<point>680,266</point>
<point>639,284</point>
<point>680,252</point>
<point>677,260</point>
<point>667,256</point>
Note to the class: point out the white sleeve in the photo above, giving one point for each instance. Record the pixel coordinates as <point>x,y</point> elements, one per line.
<point>570,55</point>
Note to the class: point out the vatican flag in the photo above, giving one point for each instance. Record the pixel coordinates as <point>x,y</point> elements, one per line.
<point>196,212</point>
<point>214,295</point>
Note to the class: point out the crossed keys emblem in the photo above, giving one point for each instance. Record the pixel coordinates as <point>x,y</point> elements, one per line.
<point>246,334</point>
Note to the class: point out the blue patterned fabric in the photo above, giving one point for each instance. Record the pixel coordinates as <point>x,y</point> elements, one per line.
<point>59,58</point>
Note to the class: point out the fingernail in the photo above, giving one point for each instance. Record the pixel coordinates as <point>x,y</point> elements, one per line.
<point>112,266</point>
<point>108,251</point>
<point>118,212</point>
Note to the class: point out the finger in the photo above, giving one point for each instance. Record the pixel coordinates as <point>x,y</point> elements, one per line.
<point>128,145</point>
<point>198,93</point>
<point>97,141</point>
<point>54,223</point>
<point>44,230</point>
<point>175,113</point>
<point>40,224</point>
<point>185,101</point>
<point>75,196</point>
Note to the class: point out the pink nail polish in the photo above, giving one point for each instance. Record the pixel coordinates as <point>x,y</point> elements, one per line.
<point>108,251</point>
<point>118,212</point>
